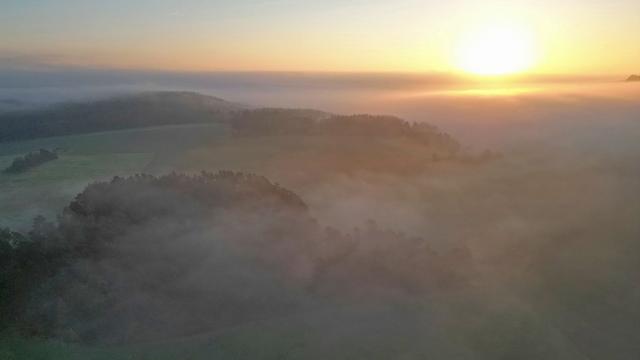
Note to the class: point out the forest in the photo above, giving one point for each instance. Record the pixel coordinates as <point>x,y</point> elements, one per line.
<point>264,122</point>
<point>144,258</point>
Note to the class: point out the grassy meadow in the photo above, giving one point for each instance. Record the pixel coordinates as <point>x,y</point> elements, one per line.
<point>301,163</point>
<point>44,190</point>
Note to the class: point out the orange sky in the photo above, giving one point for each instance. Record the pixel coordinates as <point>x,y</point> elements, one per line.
<point>568,36</point>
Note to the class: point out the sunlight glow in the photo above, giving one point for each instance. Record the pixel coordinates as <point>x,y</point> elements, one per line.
<point>496,50</point>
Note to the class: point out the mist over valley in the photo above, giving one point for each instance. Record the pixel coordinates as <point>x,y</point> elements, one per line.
<point>456,224</point>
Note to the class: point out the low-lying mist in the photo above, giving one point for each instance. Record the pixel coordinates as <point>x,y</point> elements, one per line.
<point>361,247</point>
<point>478,112</point>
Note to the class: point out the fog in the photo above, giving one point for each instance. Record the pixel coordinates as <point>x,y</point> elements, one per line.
<point>532,254</point>
<point>478,112</point>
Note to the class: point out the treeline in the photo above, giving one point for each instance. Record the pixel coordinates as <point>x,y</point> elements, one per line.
<point>146,257</point>
<point>633,78</point>
<point>31,160</point>
<point>144,110</point>
<point>265,122</point>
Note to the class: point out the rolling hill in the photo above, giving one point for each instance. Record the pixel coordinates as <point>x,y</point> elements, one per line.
<point>125,112</point>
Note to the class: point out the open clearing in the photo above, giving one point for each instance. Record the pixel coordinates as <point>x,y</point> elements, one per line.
<point>87,158</point>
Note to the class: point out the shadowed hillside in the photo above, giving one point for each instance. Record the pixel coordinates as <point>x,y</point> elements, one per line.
<point>137,111</point>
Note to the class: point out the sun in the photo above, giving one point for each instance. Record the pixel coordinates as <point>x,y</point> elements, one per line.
<point>496,50</point>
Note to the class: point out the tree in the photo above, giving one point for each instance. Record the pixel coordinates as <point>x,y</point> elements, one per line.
<point>31,160</point>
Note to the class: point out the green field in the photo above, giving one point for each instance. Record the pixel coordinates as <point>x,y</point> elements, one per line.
<point>46,189</point>
<point>297,162</point>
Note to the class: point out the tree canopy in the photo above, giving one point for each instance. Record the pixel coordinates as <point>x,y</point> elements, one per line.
<point>144,257</point>
<point>264,122</point>
<point>31,160</point>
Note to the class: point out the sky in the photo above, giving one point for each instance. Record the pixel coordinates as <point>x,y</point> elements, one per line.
<point>567,36</point>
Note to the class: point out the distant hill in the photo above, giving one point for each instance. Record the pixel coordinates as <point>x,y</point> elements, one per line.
<point>633,78</point>
<point>126,112</point>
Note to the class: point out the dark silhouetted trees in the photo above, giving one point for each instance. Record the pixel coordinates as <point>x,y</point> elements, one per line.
<point>138,111</point>
<point>268,122</point>
<point>31,160</point>
<point>146,257</point>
